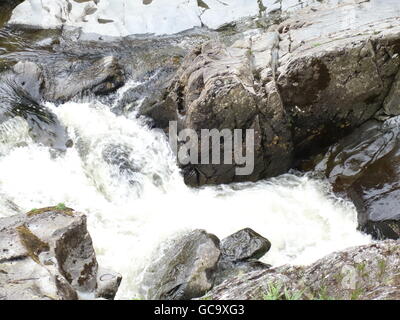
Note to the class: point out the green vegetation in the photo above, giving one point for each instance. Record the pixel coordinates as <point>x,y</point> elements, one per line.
<point>355,295</point>
<point>61,206</point>
<point>381,267</point>
<point>361,268</point>
<point>323,295</point>
<point>278,292</point>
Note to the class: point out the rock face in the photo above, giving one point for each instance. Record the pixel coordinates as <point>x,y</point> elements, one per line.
<point>122,18</point>
<point>364,167</point>
<point>300,86</point>
<point>192,264</point>
<point>47,254</point>
<point>368,272</point>
<point>185,270</point>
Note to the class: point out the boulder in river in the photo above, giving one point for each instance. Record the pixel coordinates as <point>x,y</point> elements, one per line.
<point>185,269</point>
<point>47,254</point>
<point>192,264</point>
<point>240,253</point>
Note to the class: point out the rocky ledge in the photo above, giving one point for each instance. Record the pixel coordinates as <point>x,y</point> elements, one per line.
<point>370,272</point>
<point>47,254</point>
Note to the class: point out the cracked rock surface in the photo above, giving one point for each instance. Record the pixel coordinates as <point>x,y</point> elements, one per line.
<point>47,254</point>
<point>301,85</point>
<point>370,272</point>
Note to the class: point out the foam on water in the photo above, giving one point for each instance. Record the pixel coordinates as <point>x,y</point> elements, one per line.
<point>132,209</point>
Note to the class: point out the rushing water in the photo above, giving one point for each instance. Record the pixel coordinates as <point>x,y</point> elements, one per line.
<point>124,177</point>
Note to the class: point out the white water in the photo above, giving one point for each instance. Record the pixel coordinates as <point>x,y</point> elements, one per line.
<point>130,214</point>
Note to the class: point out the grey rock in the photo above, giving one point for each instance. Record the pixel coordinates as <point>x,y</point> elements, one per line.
<point>240,253</point>
<point>48,254</point>
<point>100,77</point>
<point>301,86</point>
<point>185,269</point>
<point>369,272</point>
<point>364,168</point>
<point>243,245</point>
<point>21,94</point>
<point>392,102</point>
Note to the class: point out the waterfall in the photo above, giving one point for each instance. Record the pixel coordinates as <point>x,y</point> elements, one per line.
<point>124,177</point>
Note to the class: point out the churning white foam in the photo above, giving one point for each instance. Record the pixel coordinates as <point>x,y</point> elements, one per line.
<point>124,177</point>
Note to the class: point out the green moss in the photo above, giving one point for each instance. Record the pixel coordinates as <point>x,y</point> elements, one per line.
<point>33,245</point>
<point>60,208</point>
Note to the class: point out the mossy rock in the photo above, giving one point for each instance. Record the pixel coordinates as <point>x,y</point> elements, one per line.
<point>32,243</point>
<point>60,208</point>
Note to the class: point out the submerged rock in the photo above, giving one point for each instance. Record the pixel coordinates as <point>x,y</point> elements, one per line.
<point>185,270</point>
<point>299,86</point>
<point>47,254</point>
<point>364,167</point>
<point>369,272</point>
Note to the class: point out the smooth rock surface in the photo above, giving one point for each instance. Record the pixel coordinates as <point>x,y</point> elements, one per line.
<point>47,254</point>
<point>244,245</point>
<point>185,270</point>
<point>369,272</point>
<point>364,167</point>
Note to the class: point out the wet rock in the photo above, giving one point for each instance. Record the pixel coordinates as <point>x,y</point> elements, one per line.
<point>101,77</point>
<point>392,102</point>
<point>300,87</point>
<point>365,168</point>
<point>47,254</point>
<point>21,100</point>
<point>244,245</point>
<point>367,272</point>
<point>185,270</point>
<point>240,253</point>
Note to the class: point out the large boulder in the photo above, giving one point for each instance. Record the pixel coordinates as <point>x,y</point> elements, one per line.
<point>240,253</point>
<point>47,254</point>
<point>300,86</point>
<point>185,269</point>
<point>364,167</point>
<point>189,266</point>
<point>369,272</point>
